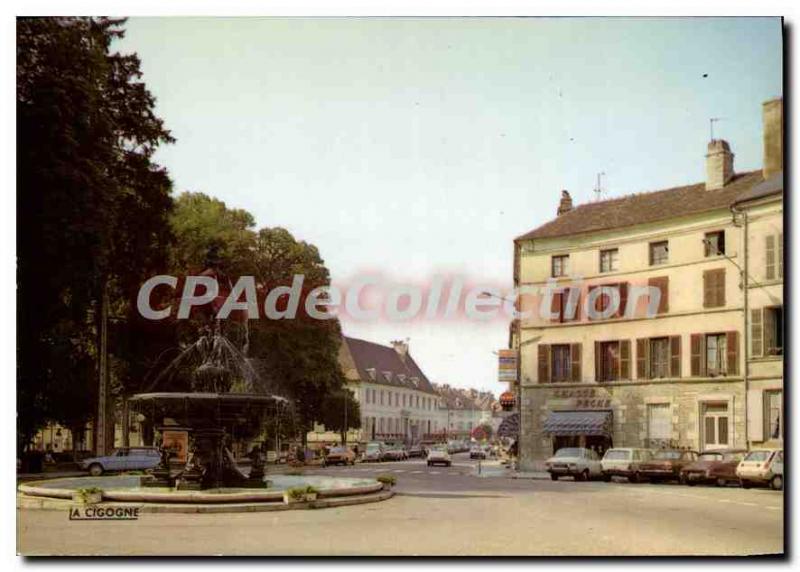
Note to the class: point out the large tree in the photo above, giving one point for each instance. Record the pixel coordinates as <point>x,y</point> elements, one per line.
<point>92,206</point>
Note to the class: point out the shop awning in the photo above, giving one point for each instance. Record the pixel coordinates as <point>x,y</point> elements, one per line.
<point>509,427</point>
<point>578,423</point>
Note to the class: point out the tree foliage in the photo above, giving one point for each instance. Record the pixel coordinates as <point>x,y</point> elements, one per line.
<point>92,205</point>
<point>341,412</point>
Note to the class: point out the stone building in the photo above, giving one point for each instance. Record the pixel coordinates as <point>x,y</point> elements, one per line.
<point>462,410</point>
<point>642,340</point>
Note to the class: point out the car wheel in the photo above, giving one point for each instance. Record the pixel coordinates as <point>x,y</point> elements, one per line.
<point>776,483</point>
<point>744,484</point>
<point>607,478</point>
<point>634,478</point>
<point>684,481</point>
<point>721,482</point>
<point>429,463</point>
<point>585,475</point>
<point>553,477</point>
<point>95,469</point>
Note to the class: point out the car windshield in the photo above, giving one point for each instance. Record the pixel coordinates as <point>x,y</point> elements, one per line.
<point>569,452</point>
<point>338,450</point>
<point>733,456</point>
<point>710,457</point>
<point>373,447</point>
<point>667,455</point>
<point>438,449</point>
<point>613,455</point>
<point>758,456</point>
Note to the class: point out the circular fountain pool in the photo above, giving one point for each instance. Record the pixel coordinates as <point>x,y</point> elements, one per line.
<point>129,488</point>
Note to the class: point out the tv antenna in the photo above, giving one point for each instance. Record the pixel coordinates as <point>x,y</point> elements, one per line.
<point>711,123</point>
<point>598,190</point>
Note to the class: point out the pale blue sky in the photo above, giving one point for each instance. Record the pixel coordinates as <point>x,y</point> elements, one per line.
<point>410,146</point>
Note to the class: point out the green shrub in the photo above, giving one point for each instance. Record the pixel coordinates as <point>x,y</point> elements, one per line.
<point>296,493</point>
<point>312,490</point>
<point>390,480</point>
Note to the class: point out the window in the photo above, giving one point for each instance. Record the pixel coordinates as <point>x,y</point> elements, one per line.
<point>659,253</point>
<point>609,260</point>
<point>716,351</point>
<point>565,305</point>
<point>774,256</point>
<point>560,265</point>
<point>715,425</point>
<point>659,358</point>
<point>773,330</point>
<point>561,362</point>
<point>600,300</point>
<point>371,373</point>
<point>609,361</point>
<point>404,400</point>
<point>659,424</point>
<point>381,397</point>
<point>773,405</point>
<point>661,284</point>
<point>714,288</point>
<point>714,243</point>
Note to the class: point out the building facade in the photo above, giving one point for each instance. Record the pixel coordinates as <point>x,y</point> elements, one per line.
<point>640,338</point>
<point>397,401</point>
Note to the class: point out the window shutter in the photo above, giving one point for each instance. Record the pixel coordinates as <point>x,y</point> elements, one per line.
<point>714,288</point>
<point>556,307</point>
<point>575,365</point>
<point>544,363</point>
<point>675,356</point>
<point>625,359</point>
<point>720,285</point>
<point>756,333</point>
<point>573,293</point>
<point>770,257</point>
<point>698,363</point>
<point>642,371</point>
<point>768,331</point>
<point>598,362</point>
<point>708,290</point>
<point>780,255</point>
<point>662,284</point>
<point>623,299</point>
<point>733,352</point>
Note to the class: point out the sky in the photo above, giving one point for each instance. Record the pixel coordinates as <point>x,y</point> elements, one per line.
<point>421,147</point>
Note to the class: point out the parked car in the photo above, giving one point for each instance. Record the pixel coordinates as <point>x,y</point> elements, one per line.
<point>624,462</point>
<point>477,452</point>
<point>416,451</point>
<point>577,462</point>
<point>341,456</point>
<point>375,452</point>
<point>124,459</point>
<point>439,455</point>
<point>395,453</point>
<point>713,467</point>
<point>666,464</point>
<point>761,466</point>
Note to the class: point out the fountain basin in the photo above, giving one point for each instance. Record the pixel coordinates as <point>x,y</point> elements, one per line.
<point>128,488</point>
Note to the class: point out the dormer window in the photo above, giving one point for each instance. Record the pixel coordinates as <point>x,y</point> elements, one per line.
<point>371,373</point>
<point>415,381</point>
<point>401,377</point>
<point>387,376</point>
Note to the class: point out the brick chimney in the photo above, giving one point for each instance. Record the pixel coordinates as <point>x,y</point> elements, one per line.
<point>401,347</point>
<point>773,136</point>
<point>565,205</point>
<point>719,164</point>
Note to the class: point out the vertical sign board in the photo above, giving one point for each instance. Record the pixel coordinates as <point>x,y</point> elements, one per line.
<point>507,365</point>
<point>177,442</point>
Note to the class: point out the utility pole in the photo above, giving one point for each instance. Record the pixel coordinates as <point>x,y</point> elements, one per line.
<point>344,435</point>
<point>102,430</point>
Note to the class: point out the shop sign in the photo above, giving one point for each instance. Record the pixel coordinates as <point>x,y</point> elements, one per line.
<point>584,398</point>
<point>507,365</point>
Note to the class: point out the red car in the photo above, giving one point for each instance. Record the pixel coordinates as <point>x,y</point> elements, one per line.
<point>713,467</point>
<point>666,465</point>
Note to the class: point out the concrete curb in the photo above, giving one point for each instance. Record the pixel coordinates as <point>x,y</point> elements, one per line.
<point>41,503</point>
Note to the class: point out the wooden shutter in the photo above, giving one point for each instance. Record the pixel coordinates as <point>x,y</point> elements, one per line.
<point>556,307</point>
<point>575,359</point>
<point>756,333</point>
<point>544,363</point>
<point>675,356</point>
<point>573,293</point>
<point>698,354</point>
<point>714,288</point>
<point>768,331</point>
<point>598,362</point>
<point>770,247</point>
<point>642,361</point>
<point>732,344</point>
<point>623,299</point>
<point>662,284</point>
<point>625,359</point>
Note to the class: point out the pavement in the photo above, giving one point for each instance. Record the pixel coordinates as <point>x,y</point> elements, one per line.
<point>449,511</point>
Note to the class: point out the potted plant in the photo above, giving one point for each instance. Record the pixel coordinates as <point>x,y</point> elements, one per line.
<point>90,495</point>
<point>388,481</point>
<point>294,495</point>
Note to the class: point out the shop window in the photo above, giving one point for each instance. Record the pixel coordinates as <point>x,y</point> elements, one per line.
<point>773,414</point>
<point>560,266</point>
<point>659,253</point>
<point>714,243</point>
<point>715,425</point>
<point>659,358</point>
<point>609,260</point>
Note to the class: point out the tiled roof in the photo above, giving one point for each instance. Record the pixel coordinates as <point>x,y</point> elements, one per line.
<point>645,208</point>
<point>772,186</point>
<point>466,399</point>
<point>371,356</point>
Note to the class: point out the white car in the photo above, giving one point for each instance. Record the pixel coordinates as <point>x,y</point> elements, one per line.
<point>576,462</point>
<point>438,455</point>
<point>624,462</point>
<point>761,466</point>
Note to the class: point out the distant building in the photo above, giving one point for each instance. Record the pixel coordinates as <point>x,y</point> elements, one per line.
<point>462,410</point>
